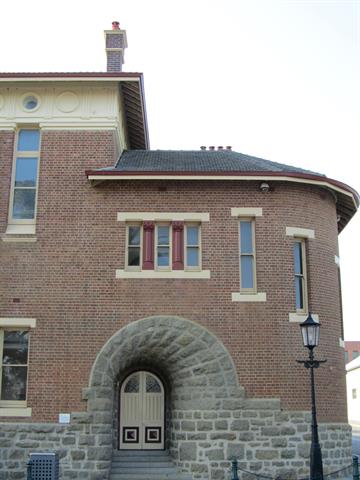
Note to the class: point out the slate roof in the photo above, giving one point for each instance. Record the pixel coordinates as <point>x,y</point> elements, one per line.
<point>197,161</point>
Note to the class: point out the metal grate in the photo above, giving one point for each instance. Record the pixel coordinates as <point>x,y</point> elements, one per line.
<point>44,466</point>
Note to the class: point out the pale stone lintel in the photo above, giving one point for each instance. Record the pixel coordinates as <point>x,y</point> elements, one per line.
<point>300,232</point>
<point>301,317</point>
<point>17,322</point>
<point>337,260</point>
<point>20,229</point>
<point>248,297</point>
<point>246,212</point>
<point>162,216</point>
<point>15,412</point>
<point>341,342</point>
<point>19,239</point>
<point>191,275</point>
<point>8,126</point>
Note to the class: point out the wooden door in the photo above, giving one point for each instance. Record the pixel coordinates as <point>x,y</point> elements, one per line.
<point>142,412</point>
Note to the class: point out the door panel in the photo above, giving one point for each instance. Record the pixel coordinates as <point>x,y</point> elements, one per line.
<point>142,412</point>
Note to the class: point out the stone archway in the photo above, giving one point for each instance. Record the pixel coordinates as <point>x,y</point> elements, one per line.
<point>201,377</point>
<point>189,355</point>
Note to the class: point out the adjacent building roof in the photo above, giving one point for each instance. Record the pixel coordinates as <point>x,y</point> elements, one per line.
<point>132,87</point>
<point>221,164</point>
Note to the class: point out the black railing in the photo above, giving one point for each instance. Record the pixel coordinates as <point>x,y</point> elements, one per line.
<point>351,470</point>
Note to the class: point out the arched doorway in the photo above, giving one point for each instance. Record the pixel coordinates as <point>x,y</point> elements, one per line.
<point>142,412</point>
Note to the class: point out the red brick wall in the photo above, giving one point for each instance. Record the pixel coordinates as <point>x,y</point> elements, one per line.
<point>67,278</point>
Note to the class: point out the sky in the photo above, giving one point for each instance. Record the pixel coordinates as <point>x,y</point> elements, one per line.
<point>278,79</point>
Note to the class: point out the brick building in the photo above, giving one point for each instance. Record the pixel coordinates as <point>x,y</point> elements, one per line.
<point>352,350</point>
<point>151,300</point>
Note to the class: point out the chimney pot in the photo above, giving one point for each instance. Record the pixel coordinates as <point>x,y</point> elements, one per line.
<point>115,25</point>
<point>212,147</point>
<point>202,147</point>
<point>229,147</point>
<point>220,147</point>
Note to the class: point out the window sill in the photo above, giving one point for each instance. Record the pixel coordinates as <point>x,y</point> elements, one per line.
<point>19,239</point>
<point>21,229</point>
<point>248,297</point>
<point>180,274</point>
<point>301,317</point>
<point>20,233</point>
<point>15,412</point>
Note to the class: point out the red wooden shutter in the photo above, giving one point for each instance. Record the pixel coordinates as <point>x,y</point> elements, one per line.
<point>148,246</point>
<point>178,245</point>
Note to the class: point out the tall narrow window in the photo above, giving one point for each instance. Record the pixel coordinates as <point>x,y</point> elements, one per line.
<point>134,247</point>
<point>25,177</point>
<point>300,275</point>
<point>247,256</point>
<point>163,246</point>
<point>14,347</point>
<point>192,247</point>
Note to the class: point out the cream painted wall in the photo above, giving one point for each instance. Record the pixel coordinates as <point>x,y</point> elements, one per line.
<point>65,105</point>
<point>353,383</point>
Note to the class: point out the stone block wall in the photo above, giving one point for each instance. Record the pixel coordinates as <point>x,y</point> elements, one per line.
<point>266,441</point>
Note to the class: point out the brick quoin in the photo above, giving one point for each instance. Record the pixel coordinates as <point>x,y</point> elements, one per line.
<point>66,280</point>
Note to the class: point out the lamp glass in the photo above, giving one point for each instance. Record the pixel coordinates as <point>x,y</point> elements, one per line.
<point>310,331</point>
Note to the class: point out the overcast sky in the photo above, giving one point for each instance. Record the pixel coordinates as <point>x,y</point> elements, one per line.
<point>278,79</point>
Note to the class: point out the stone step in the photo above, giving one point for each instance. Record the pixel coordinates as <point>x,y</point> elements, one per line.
<point>146,470</point>
<point>149,476</point>
<point>149,460</point>
<point>122,453</point>
<point>132,464</point>
<point>144,465</point>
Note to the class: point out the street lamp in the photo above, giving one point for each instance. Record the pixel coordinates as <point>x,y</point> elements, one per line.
<point>310,331</point>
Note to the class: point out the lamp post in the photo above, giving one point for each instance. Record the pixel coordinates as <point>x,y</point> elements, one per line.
<point>310,331</point>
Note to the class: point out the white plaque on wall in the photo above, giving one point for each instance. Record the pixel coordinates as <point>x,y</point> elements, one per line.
<point>64,417</point>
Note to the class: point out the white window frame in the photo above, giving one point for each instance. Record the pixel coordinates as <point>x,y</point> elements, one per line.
<point>302,242</point>
<point>133,268</point>
<point>186,267</point>
<point>253,255</point>
<point>24,154</point>
<point>13,403</point>
<point>156,266</point>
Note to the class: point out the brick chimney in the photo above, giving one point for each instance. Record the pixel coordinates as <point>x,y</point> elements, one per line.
<point>115,44</point>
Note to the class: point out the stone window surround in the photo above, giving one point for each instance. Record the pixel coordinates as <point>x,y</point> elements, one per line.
<point>188,217</point>
<point>22,230</point>
<point>247,212</point>
<point>16,322</point>
<point>301,233</point>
